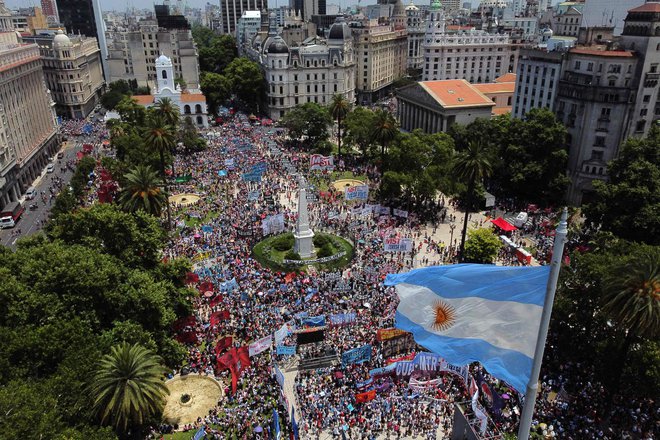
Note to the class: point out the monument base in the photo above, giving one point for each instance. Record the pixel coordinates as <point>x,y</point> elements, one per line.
<point>304,243</point>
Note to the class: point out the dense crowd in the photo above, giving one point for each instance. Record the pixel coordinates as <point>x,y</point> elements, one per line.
<point>336,399</point>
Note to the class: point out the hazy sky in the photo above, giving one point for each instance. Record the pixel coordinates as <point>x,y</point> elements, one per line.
<point>122,4</point>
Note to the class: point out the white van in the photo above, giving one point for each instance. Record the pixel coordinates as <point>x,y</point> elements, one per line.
<point>520,220</point>
<point>31,193</point>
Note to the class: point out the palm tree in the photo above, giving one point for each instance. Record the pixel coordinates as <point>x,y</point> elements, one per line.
<point>128,387</point>
<point>383,131</point>
<point>142,192</point>
<point>631,298</point>
<point>161,137</point>
<point>339,108</point>
<point>169,110</point>
<point>472,166</point>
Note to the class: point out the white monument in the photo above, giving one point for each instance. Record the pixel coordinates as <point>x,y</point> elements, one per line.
<point>303,245</point>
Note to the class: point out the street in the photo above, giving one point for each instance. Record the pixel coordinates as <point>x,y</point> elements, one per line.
<point>32,221</point>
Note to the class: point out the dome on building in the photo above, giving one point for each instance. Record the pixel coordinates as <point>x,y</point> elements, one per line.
<point>547,32</point>
<point>411,6</point>
<point>340,31</point>
<point>278,45</point>
<point>61,41</point>
<point>163,60</point>
<point>398,9</point>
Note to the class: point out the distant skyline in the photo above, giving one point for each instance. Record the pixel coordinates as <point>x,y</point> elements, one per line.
<point>120,5</point>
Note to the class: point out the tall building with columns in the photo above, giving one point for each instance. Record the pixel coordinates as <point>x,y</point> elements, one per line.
<point>28,131</point>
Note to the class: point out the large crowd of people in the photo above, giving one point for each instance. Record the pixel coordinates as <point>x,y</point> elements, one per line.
<point>245,301</point>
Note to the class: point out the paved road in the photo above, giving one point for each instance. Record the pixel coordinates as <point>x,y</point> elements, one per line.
<point>30,220</point>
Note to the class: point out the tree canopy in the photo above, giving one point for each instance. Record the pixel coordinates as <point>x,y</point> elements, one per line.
<point>310,121</point>
<point>482,246</point>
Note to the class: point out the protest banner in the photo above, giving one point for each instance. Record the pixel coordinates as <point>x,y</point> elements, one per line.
<point>320,162</point>
<point>279,377</point>
<point>400,213</point>
<point>286,350</point>
<point>356,355</point>
<point>395,244</point>
<point>342,318</point>
<point>359,192</point>
<point>314,321</point>
<point>254,195</point>
<point>365,397</point>
<point>251,177</point>
<point>281,334</point>
<point>383,334</point>
<point>260,345</point>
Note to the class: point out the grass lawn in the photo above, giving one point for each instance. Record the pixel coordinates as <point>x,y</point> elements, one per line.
<point>322,184</point>
<point>184,435</point>
<point>194,222</point>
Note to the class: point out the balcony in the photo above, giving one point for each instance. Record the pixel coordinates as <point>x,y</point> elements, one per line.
<point>651,79</point>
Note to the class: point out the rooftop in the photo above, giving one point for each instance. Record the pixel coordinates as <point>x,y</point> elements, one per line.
<point>507,77</point>
<point>505,87</point>
<point>455,93</point>
<point>603,52</point>
<point>647,7</point>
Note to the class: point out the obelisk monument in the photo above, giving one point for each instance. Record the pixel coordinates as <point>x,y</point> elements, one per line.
<point>303,245</point>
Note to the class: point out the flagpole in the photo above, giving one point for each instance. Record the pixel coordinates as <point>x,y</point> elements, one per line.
<point>532,385</point>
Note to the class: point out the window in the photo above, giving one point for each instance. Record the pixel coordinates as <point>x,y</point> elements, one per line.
<point>640,125</point>
<point>646,98</point>
<point>590,67</point>
<point>654,68</point>
<point>164,74</point>
<point>599,141</point>
<point>643,112</point>
<point>577,65</point>
<point>596,155</point>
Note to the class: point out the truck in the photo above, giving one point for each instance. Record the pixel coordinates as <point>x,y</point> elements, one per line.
<point>10,215</point>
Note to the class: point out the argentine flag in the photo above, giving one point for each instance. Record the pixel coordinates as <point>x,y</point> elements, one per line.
<point>474,312</point>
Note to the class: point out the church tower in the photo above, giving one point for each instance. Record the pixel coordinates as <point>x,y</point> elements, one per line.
<point>165,74</point>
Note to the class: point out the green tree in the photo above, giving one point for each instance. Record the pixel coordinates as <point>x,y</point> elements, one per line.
<point>628,204</point>
<point>216,52</point>
<point>482,246</point>
<point>217,89</point>
<point>142,192</point>
<point>128,387</point>
<point>117,90</point>
<point>310,121</point>
<point>384,130</point>
<point>179,81</point>
<point>81,176</point>
<point>248,82</point>
<point>65,202</point>
<point>169,110</point>
<point>131,112</point>
<point>339,108</point>
<point>470,166</point>
<point>358,125</point>
<point>160,137</point>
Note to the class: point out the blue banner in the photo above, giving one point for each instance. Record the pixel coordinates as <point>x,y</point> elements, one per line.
<point>254,195</point>
<point>251,177</point>
<point>366,383</point>
<point>356,355</point>
<point>382,371</point>
<point>279,376</point>
<point>260,167</point>
<point>199,435</point>
<point>222,173</point>
<point>229,163</point>
<point>314,321</point>
<point>342,318</point>
<point>286,350</point>
<point>207,229</point>
<point>229,286</point>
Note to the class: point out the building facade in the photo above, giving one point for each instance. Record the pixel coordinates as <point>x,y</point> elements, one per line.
<point>134,50</point>
<point>537,80</point>
<point>434,106</point>
<point>28,136</point>
<point>476,56</point>
<point>85,17</point>
<point>49,8</point>
<point>594,101</point>
<point>416,28</point>
<point>232,10</point>
<point>192,105</point>
<point>73,72</point>
<point>248,26</point>
<point>314,71</point>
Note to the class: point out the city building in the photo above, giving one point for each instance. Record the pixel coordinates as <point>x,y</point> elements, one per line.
<point>28,129</point>
<point>135,48</point>
<point>594,101</point>
<point>641,34</point>
<point>73,72</point>
<point>307,8</point>
<point>500,92</point>
<point>313,71</point>
<point>568,24</point>
<point>49,8</point>
<point>476,56</point>
<point>416,28</point>
<point>537,82</point>
<point>29,20</point>
<point>191,105</point>
<point>248,26</point>
<point>381,52</point>
<point>434,106</point>
<point>85,17</point>
<point>232,10</point>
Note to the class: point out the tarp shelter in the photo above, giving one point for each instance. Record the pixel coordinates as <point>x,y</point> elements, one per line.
<point>503,224</point>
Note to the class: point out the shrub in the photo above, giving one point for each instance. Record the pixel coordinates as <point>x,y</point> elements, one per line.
<point>292,255</point>
<point>326,251</point>
<point>283,243</point>
<point>320,240</point>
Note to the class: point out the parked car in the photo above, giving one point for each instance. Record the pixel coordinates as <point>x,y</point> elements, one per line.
<point>31,193</point>
<point>50,168</point>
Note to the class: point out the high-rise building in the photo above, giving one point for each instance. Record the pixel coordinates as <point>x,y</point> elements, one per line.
<point>641,34</point>
<point>307,8</point>
<point>134,50</point>
<point>72,67</point>
<point>232,10</point>
<point>416,27</point>
<point>85,17</point>
<point>475,56</point>
<point>381,52</point>
<point>28,131</point>
<point>49,8</point>
<point>537,81</point>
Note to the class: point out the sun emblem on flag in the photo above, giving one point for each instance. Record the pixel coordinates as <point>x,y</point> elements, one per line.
<point>444,316</point>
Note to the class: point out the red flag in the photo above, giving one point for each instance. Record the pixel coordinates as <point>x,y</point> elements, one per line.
<point>222,344</point>
<point>188,321</point>
<point>236,360</point>
<point>206,286</point>
<point>215,301</point>
<point>189,337</point>
<point>365,397</point>
<point>216,317</point>
<point>191,278</point>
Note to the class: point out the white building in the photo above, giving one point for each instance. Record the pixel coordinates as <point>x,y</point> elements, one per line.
<point>191,105</point>
<point>475,56</point>
<point>416,27</point>
<point>311,72</point>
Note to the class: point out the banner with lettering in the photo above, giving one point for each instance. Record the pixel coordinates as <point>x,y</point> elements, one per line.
<point>400,213</point>
<point>395,244</point>
<point>383,334</point>
<point>279,377</point>
<point>254,195</point>
<point>251,177</point>
<point>342,318</point>
<point>356,355</point>
<point>314,321</point>
<point>359,192</point>
<point>273,224</point>
<point>259,168</point>
<point>286,350</point>
<point>260,345</point>
<point>280,334</point>
<point>320,162</point>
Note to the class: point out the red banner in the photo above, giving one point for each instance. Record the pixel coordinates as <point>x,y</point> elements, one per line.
<point>215,301</point>
<point>191,278</point>
<point>216,317</point>
<point>206,286</point>
<point>188,321</point>
<point>223,344</point>
<point>365,397</point>
<point>410,357</point>
<point>187,337</point>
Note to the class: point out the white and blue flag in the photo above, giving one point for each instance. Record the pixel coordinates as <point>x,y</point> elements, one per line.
<point>473,312</point>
